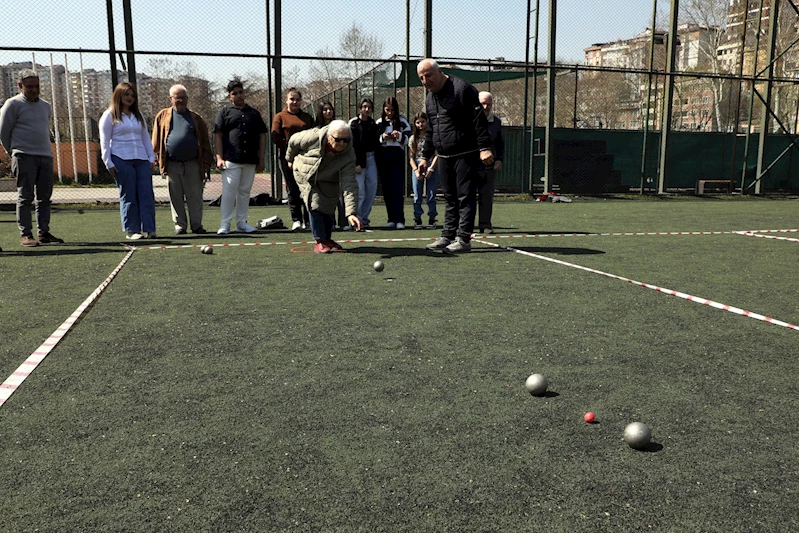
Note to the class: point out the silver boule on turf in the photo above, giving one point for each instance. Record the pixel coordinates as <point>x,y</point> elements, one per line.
<point>536,384</point>
<point>637,435</point>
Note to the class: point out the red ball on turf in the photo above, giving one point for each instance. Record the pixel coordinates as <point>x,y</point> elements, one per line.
<point>589,417</point>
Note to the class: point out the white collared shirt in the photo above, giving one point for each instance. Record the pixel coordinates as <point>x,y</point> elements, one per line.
<point>128,139</point>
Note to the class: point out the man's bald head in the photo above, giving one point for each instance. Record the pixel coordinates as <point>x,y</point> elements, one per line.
<point>487,101</point>
<point>431,75</point>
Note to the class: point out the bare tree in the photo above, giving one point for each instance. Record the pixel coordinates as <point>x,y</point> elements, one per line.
<point>330,72</point>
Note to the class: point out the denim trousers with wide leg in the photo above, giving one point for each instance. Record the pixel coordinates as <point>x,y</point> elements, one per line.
<point>136,198</point>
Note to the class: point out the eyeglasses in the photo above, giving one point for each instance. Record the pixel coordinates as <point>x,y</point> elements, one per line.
<point>344,140</point>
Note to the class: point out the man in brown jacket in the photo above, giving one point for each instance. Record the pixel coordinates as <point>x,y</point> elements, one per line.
<point>183,152</point>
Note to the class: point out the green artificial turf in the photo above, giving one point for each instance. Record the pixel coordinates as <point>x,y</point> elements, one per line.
<point>265,388</point>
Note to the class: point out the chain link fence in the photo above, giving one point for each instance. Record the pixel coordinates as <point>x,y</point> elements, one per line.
<point>607,108</point>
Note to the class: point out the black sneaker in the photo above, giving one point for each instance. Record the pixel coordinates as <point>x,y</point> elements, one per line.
<point>200,231</point>
<point>431,224</point>
<point>417,223</point>
<point>47,238</point>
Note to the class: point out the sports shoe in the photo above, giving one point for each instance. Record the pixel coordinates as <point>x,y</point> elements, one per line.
<point>459,246</point>
<point>180,231</point>
<point>439,244</point>
<point>321,248</point>
<point>296,225</point>
<point>333,245</point>
<point>47,238</point>
<point>400,225</point>
<point>200,231</point>
<point>431,224</point>
<point>133,236</point>
<point>149,235</point>
<point>27,240</point>
<point>391,225</point>
<point>223,230</point>
<point>488,231</point>
<point>346,228</point>
<point>417,223</point>
<point>246,228</point>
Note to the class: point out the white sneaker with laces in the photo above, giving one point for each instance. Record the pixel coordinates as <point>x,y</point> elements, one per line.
<point>459,246</point>
<point>296,225</point>
<point>439,244</point>
<point>223,231</point>
<point>400,225</point>
<point>246,228</point>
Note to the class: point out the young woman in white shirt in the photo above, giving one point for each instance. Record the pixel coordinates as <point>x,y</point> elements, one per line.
<point>393,132</point>
<point>128,155</point>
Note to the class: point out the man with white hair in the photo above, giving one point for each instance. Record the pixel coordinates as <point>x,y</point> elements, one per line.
<point>183,152</point>
<point>25,134</point>
<point>323,162</point>
<point>458,133</point>
<point>485,191</point>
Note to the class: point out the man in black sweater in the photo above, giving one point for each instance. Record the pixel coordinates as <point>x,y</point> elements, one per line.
<point>458,132</point>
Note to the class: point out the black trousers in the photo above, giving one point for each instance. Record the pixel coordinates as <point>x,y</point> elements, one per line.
<point>297,208</point>
<point>391,169</point>
<point>459,177</point>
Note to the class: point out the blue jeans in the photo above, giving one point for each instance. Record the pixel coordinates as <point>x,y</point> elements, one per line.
<point>321,225</point>
<point>136,199</point>
<point>419,194</point>
<point>367,188</point>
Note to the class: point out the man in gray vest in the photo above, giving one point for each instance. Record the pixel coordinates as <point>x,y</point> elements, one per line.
<point>183,151</point>
<point>25,134</point>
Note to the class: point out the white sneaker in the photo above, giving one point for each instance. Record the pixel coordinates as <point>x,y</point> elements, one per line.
<point>246,228</point>
<point>400,225</point>
<point>223,231</point>
<point>391,225</point>
<point>296,225</point>
<point>439,244</point>
<point>133,236</point>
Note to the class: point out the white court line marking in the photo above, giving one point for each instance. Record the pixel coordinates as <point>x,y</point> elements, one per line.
<point>670,292</point>
<point>17,377</point>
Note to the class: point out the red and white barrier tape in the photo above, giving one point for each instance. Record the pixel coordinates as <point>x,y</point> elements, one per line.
<point>670,292</point>
<point>754,234</point>
<point>16,379</point>
<point>480,237</point>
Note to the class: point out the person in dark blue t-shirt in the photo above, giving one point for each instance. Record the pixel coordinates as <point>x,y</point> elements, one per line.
<point>240,143</point>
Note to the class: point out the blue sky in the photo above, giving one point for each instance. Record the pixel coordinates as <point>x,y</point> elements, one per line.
<point>461,28</point>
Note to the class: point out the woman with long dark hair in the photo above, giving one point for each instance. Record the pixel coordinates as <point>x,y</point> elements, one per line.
<point>365,141</point>
<point>393,132</point>
<point>127,152</point>
<point>325,113</point>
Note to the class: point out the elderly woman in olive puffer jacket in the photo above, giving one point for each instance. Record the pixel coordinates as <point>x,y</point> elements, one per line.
<point>323,162</point>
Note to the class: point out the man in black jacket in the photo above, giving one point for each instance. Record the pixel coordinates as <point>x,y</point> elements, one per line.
<point>458,132</point>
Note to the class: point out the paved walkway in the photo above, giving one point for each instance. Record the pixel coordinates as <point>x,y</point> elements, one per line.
<point>110,194</point>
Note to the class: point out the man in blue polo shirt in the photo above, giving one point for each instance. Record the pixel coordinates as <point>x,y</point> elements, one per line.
<point>240,143</point>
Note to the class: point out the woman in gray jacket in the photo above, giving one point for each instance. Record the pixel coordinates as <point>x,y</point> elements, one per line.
<point>323,162</point>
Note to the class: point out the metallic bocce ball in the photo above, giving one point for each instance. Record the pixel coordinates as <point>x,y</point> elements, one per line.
<point>637,435</point>
<point>536,384</point>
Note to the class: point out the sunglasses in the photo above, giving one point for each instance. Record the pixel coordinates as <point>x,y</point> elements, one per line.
<point>344,140</point>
